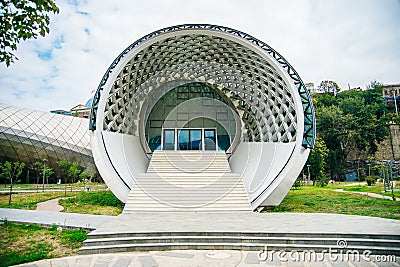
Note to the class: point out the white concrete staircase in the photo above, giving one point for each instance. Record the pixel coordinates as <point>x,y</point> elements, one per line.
<point>188,181</point>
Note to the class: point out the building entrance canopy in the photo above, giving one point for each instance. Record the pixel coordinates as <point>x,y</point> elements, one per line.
<point>190,77</point>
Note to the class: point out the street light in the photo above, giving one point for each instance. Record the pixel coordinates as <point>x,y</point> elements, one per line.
<point>308,176</point>
<point>44,172</point>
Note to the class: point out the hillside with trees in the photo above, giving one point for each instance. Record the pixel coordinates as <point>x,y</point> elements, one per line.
<point>347,120</point>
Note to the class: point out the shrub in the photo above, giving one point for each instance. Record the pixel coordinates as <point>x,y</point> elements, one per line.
<point>298,183</point>
<point>371,180</point>
<point>322,181</point>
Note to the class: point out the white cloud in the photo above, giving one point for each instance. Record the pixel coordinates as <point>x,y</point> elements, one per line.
<point>348,41</point>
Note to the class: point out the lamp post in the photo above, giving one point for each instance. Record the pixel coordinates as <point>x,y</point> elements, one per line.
<point>44,172</point>
<point>395,101</point>
<point>308,176</point>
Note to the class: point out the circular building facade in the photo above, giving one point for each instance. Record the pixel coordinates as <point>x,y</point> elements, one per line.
<point>203,88</point>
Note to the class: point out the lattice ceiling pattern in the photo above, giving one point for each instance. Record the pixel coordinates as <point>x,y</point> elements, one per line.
<point>254,87</point>
<point>250,82</point>
<point>29,136</point>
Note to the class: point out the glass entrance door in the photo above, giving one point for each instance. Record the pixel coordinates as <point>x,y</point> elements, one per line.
<point>189,139</point>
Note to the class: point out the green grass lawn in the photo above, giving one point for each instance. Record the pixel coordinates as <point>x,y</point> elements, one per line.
<point>378,189</point>
<point>99,202</point>
<point>39,187</point>
<point>28,201</point>
<point>313,199</point>
<point>96,202</point>
<point>26,243</point>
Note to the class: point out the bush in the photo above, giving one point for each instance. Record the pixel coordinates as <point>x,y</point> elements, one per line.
<point>298,183</point>
<point>322,181</point>
<point>371,180</point>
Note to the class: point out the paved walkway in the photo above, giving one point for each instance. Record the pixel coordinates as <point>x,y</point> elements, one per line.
<point>370,194</point>
<point>49,205</point>
<point>201,221</point>
<point>208,258</point>
<point>70,220</point>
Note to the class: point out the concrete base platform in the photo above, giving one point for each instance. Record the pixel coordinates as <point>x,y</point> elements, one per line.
<point>250,222</point>
<point>244,231</point>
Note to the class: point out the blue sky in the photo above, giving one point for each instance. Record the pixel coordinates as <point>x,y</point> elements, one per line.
<point>351,42</point>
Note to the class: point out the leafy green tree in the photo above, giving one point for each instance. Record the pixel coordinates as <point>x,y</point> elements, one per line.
<point>37,167</point>
<point>351,120</point>
<point>334,129</point>
<point>369,123</point>
<point>317,159</point>
<point>324,100</point>
<point>83,176</point>
<point>64,167</point>
<point>74,171</point>
<point>22,20</point>
<point>12,171</point>
<point>48,171</point>
<point>329,87</point>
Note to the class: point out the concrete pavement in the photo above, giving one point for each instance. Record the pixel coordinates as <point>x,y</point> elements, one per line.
<point>69,220</point>
<point>198,221</point>
<point>50,205</point>
<point>211,258</point>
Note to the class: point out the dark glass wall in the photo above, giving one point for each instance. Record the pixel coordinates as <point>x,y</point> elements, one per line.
<point>191,105</point>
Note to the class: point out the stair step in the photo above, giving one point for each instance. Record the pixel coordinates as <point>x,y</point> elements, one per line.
<point>238,239</point>
<point>228,246</point>
<point>188,180</point>
<point>278,235</point>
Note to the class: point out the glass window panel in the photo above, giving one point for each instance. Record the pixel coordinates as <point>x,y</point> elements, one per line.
<point>169,139</point>
<point>223,142</point>
<point>183,139</point>
<point>195,139</point>
<point>155,143</point>
<point>183,96</point>
<point>209,140</point>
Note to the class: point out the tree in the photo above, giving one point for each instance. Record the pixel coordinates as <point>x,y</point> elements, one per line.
<point>48,171</point>
<point>374,85</point>
<point>83,177</point>
<point>37,167</point>
<point>64,167</point>
<point>324,100</point>
<point>329,87</point>
<point>12,171</point>
<point>369,123</point>
<point>74,171</point>
<point>317,159</point>
<point>22,20</point>
<point>334,128</point>
<point>351,120</point>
